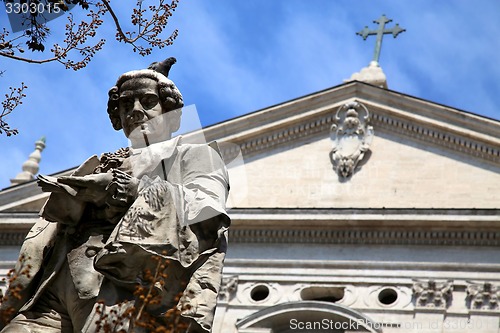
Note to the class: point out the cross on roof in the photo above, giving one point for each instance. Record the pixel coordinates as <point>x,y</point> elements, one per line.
<point>380,32</point>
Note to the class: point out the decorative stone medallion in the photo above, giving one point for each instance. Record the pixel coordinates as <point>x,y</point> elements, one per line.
<point>351,135</point>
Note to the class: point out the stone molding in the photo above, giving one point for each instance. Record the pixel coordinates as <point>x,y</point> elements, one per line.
<point>312,116</point>
<point>379,237</point>
<point>319,125</point>
<point>442,227</point>
<point>269,317</point>
<point>12,238</point>
<point>412,107</point>
<point>426,295</point>
<point>327,236</point>
<point>474,227</point>
<point>283,136</point>
<point>15,226</point>
<point>437,137</point>
<point>15,197</point>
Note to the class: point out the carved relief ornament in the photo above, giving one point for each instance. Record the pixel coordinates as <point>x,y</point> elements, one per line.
<point>483,296</point>
<point>228,288</point>
<point>352,135</point>
<point>433,294</point>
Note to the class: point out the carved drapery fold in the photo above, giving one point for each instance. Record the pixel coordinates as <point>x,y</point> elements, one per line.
<point>352,135</point>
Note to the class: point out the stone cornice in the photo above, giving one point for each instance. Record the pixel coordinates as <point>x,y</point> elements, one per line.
<point>10,221</point>
<point>354,272</point>
<point>439,134</point>
<point>15,226</point>
<point>360,266</point>
<point>311,116</point>
<point>318,123</point>
<point>420,108</point>
<point>246,124</point>
<point>281,134</point>
<point>364,237</point>
<point>446,227</point>
<point>443,227</point>
<point>328,236</point>
<point>12,238</point>
<point>409,218</point>
<point>24,193</point>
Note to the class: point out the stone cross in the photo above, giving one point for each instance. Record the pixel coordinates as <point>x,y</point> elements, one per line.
<point>380,32</point>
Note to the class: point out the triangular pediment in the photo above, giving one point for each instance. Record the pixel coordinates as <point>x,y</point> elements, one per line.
<point>421,203</point>
<point>422,155</point>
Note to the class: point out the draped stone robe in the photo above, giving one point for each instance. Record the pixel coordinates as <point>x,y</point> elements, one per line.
<point>179,215</point>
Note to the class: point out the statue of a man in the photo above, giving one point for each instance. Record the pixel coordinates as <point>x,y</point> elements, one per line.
<point>149,219</point>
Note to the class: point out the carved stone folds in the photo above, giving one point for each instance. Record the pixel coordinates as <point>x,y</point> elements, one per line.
<point>432,294</point>
<point>351,135</point>
<point>483,296</point>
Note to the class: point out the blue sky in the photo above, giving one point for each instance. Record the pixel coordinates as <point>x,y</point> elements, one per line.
<point>235,57</point>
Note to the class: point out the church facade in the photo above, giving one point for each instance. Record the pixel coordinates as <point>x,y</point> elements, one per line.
<point>357,209</point>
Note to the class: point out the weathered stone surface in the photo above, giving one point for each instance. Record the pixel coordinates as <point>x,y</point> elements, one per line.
<point>147,219</point>
<point>352,135</point>
<point>422,208</point>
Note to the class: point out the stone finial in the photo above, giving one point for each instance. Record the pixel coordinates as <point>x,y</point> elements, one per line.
<point>31,166</point>
<point>372,74</point>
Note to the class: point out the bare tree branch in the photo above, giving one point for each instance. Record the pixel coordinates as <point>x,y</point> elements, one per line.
<point>12,100</point>
<point>76,51</point>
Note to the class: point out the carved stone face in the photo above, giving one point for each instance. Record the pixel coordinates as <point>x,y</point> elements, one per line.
<point>141,112</point>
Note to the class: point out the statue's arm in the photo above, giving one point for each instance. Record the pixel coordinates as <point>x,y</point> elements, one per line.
<point>205,184</point>
<point>63,207</point>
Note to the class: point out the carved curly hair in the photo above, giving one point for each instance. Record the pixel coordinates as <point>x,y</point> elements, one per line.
<point>170,96</point>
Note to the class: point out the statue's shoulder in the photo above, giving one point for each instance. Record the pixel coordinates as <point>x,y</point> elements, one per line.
<point>201,148</point>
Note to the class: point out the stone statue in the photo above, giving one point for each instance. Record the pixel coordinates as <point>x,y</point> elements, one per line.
<point>106,228</point>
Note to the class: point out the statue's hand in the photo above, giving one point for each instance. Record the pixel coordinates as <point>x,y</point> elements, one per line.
<point>90,188</point>
<point>49,187</point>
<point>123,188</point>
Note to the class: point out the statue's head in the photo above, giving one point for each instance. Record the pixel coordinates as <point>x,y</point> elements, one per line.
<point>139,97</point>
